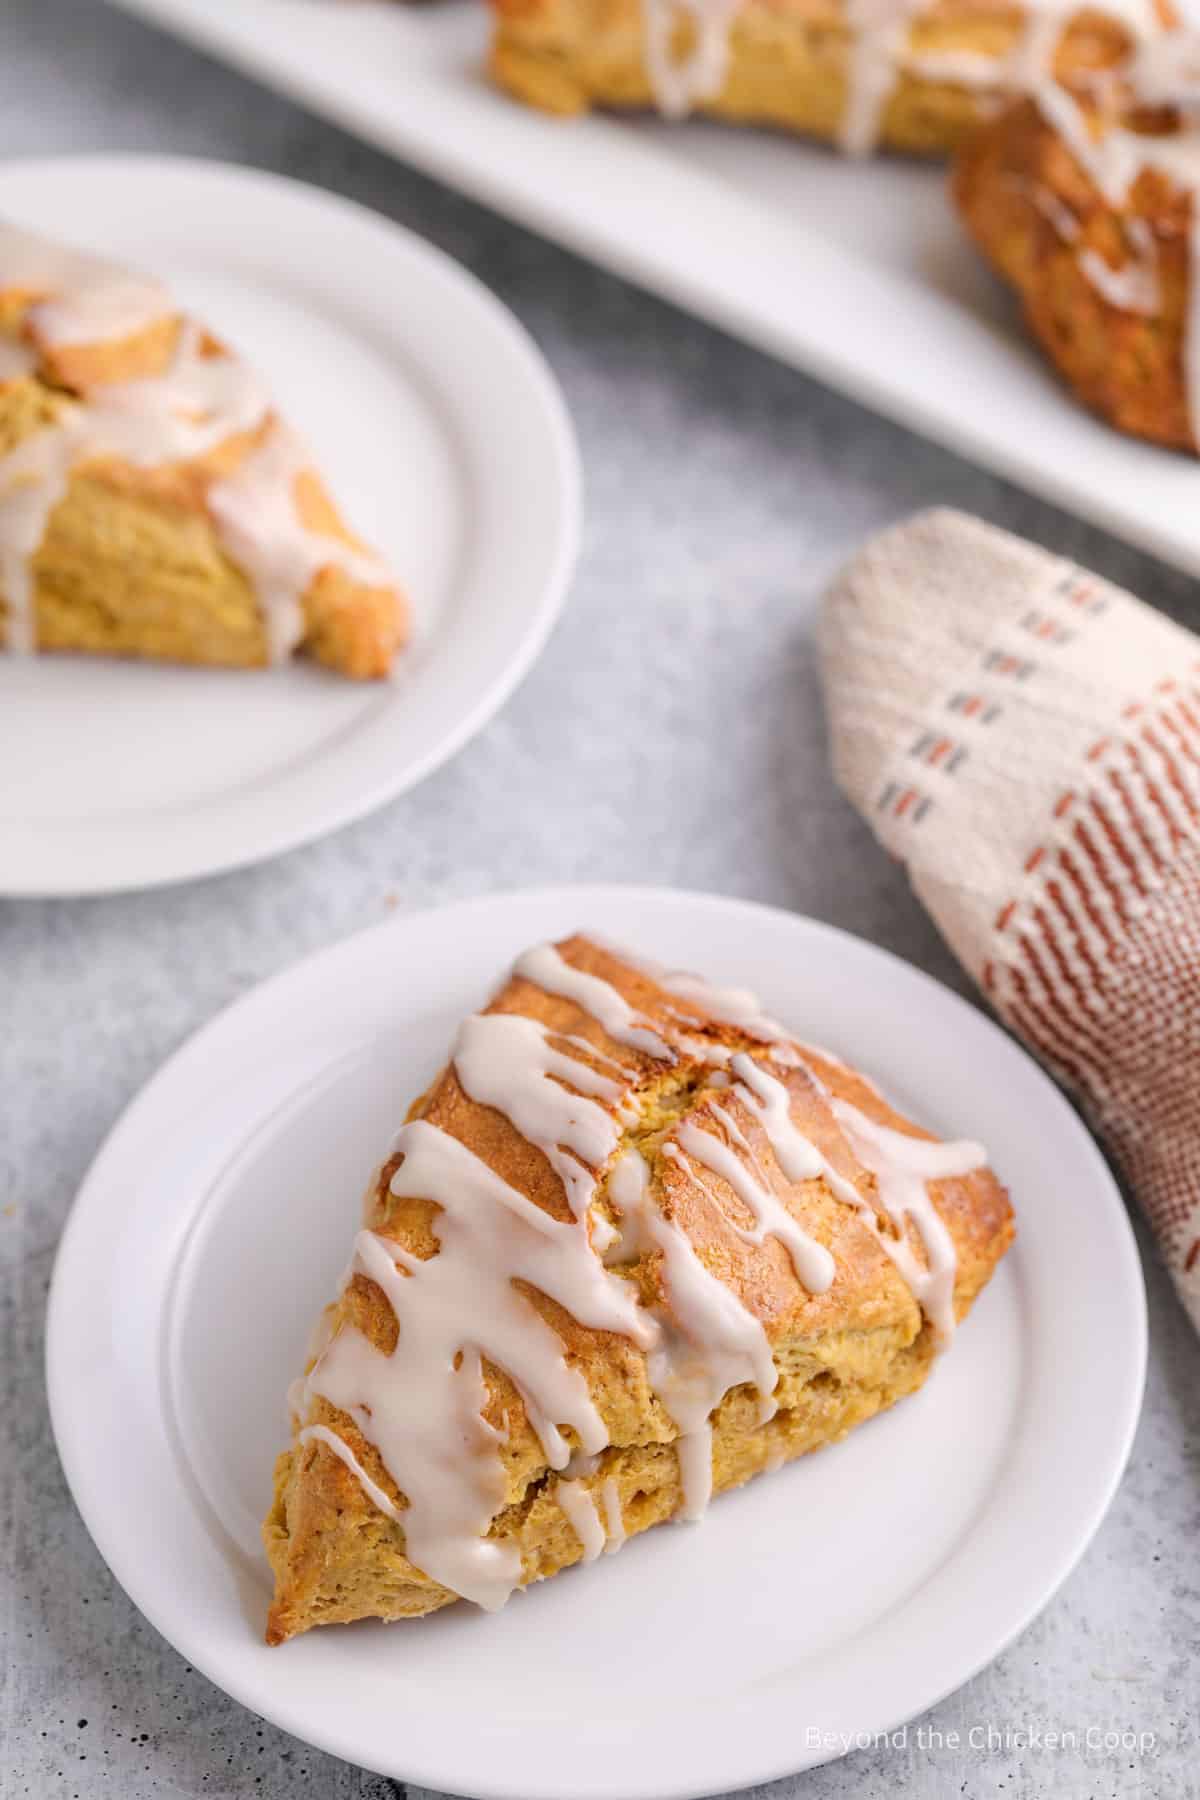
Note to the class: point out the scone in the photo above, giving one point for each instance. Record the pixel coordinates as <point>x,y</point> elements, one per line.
<point>1089,211</point>
<point>897,73</point>
<point>634,1246</point>
<point>152,502</point>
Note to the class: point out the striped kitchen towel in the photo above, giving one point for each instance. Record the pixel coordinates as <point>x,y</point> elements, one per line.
<point>1026,740</point>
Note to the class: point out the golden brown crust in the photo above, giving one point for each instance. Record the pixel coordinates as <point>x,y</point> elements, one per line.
<point>130,563</point>
<point>1017,185</point>
<point>789,62</point>
<point>841,1356</point>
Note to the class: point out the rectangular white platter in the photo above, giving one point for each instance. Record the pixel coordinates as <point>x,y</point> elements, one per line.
<point>856,273</point>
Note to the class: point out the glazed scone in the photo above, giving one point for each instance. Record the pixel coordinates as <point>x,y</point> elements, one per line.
<point>152,502</point>
<point>632,1247</point>
<point>1089,212</point>
<point>859,73</point>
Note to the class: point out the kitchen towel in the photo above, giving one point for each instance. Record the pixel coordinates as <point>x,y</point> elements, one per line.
<point>1025,738</point>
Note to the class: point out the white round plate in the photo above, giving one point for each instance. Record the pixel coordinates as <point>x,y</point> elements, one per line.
<point>842,1595</point>
<point>446,441</point>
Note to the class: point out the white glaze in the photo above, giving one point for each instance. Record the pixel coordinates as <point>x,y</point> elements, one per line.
<point>604,1236</point>
<point>88,300</point>
<point>879,31</point>
<point>681,84</point>
<point>732,1005</point>
<point>421,1411</point>
<point>507,1061</point>
<point>1057,212</point>
<point>812,1262</point>
<point>614,1519</point>
<point>33,479</point>
<point>1165,70</point>
<point>877,55</point>
<point>708,1344</point>
<point>579,1505</point>
<point>1133,287</point>
<point>769,1100</point>
<point>545,968</point>
<point>903,1166</point>
<point>321,1434</point>
<point>256,512</point>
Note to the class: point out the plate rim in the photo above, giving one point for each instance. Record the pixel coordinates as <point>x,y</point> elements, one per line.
<point>547,409</point>
<point>122,1564</point>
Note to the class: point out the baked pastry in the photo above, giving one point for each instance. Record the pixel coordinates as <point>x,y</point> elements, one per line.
<point>1088,209</point>
<point>152,502</point>
<point>634,1246</point>
<point>905,75</point>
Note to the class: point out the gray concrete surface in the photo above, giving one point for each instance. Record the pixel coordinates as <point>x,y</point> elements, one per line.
<point>721,492</point>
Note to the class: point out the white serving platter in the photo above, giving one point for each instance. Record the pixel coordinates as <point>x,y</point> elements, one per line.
<point>857,273</point>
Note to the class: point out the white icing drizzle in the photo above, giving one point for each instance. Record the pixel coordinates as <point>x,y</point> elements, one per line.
<point>88,300</point>
<point>770,1102</point>
<point>1165,71</point>
<point>321,1434</point>
<point>732,1005</point>
<point>421,1405</point>
<point>197,402</point>
<point>33,479</point>
<point>507,1061</point>
<point>681,84</point>
<point>708,1344</point>
<point>958,68</point>
<point>256,511</point>
<point>604,1235</point>
<point>614,1519</point>
<point>812,1262</point>
<point>879,31</point>
<point>1032,57</point>
<point>1057,212</point>
<point>201,399</point>
<point>545,968</point>
<point>903,1166</point>
<point>877,54</point>
<point>1133,287</point>
<point>579,1505</point>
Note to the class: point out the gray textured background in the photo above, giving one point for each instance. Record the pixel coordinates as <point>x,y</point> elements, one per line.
<point>721,492</point>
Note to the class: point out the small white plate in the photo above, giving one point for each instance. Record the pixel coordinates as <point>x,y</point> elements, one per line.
<point>445,439</point>
<point>843,1595</point>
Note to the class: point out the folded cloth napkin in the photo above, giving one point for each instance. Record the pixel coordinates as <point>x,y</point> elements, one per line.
<point>1026,740</point>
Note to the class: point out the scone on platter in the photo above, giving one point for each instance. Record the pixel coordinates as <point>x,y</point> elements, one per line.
<point>859,73</point>
<point>152,501</point>
<point>1088,208</point>
<point>632,1247</point>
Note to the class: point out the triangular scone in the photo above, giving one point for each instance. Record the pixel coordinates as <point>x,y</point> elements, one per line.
<point>152,502</point>
<point>634,1246</point>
